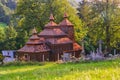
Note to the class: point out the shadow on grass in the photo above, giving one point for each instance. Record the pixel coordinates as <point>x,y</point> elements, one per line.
<point>49,72</point>
<point>18,63</point>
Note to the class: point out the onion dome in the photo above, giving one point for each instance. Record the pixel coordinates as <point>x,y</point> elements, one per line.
<point>51,23</point>
<point>65,22</point>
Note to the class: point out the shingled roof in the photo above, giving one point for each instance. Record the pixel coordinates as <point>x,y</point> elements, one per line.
<point>76,46</point>
<point>34,44</point>
<point>52,32</point>
<point>63,40</point>
<point>65,22</point>
<point>34,48</point>
<point>51,23</point>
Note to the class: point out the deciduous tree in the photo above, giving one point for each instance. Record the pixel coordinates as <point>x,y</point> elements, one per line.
<point>35,13</point>
<point>102,20</point>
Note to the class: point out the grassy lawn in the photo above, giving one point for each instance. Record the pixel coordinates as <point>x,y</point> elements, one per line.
<point>104,70</point>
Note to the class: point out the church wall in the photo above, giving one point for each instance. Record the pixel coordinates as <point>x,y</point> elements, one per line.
<point>58,49</point>
<point>34,56</point>
<point>69,30</point>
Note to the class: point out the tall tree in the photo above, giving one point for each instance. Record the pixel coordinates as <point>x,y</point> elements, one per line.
<point>104,22</point>
<point>10,39</point>
<point>2,34</point>
<point>36,14</point>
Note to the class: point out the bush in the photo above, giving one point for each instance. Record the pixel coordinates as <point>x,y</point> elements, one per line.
<point>1,57</point>
<point>19,63</point>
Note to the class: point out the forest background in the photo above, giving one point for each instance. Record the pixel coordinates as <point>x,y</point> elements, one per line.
<point>93,20</point>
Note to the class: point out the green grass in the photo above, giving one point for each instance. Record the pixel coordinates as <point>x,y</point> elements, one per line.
<point>104,70</point>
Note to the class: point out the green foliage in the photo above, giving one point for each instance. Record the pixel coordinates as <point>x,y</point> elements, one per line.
<point>6,10</point>
<point>10,32</point>
<point>102,20</point>
<point>21,39</point>
<point>2,34</point>
<point>36,14</point>
<point>67,71</point>
<point>88,45</point>
<point>17,63</point>
<point>10,41</point>
<point>8,38</point>
<point>1,57</point>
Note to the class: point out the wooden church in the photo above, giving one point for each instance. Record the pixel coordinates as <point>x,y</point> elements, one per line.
<point>51,43</point>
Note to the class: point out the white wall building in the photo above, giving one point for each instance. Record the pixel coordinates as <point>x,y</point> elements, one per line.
<point>9,55</point>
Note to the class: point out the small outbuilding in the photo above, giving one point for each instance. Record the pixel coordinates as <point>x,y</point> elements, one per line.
<point>9,55</point>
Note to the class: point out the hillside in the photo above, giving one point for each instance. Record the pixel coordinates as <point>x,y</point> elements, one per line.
<point>105,70</point>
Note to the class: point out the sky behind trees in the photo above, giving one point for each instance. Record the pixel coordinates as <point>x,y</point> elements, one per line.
<point>78,0</point>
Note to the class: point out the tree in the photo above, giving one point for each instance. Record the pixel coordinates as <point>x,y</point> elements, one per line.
<point>10,39</point>
<point>109,13</point>
<point>84,12</point>
<point>1,58</point>
<point>103,21</point>
<point>2,34</point>
<point>36,14</point>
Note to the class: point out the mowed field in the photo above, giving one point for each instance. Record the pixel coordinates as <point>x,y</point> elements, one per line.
<point>103,70</point>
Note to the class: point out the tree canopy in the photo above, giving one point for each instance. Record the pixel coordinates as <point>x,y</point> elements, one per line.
<point>36,14</point>
<point>102,18</point>
<point>93,20</point>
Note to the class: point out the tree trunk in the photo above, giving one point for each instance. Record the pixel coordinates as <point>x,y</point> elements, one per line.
<point>108,38</point>
<point>107,27</point>
<point>2,62</point>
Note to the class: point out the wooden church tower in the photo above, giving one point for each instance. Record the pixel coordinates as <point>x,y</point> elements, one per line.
<point>51,43</point>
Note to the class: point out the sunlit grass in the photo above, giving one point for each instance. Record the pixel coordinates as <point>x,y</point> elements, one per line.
<point>105,70</point>
<point>97,74</point>
<point>23,69</point>
<point>18,70</point>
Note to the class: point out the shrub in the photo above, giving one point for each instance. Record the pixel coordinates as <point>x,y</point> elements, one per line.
<point>1,57</point>
<point>19,63</point>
